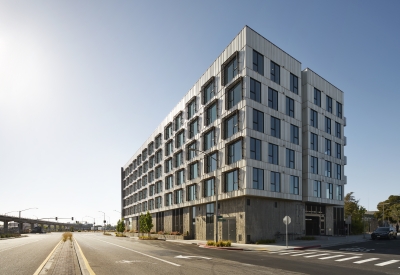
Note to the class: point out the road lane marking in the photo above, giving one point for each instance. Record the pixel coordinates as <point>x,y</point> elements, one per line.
<point>388,262</point>
<point>301,254</point>
<point>346,259</point>
<point>367,260</point>
<point>168,262</point>
<point>188,257</point>
<point>46,260</point>
<point>17,246</point>
<point>316,255</point>
<point>330,257</point>
<point>286,253</point>
<point>85,261</point>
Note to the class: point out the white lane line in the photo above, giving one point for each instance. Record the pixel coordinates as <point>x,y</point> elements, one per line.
<point>388,262</point>
<point>286,253</point>
<point>302,254</point>
<point>346,259</point>
<point>316,255</point>
<point>330,257</point>
<point>168,262</point>
<point>18,246</point>
<point>367,260</point>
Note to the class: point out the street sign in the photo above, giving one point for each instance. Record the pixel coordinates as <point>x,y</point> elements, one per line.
<point>287,220</point>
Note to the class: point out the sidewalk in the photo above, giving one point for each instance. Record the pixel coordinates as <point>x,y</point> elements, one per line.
<point>320,241</point>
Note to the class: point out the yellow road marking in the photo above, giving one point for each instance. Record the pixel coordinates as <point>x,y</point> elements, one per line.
<point>46,260</point>
<point>84,259</point>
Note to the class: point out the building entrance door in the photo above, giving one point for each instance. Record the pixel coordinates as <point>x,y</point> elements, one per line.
<point>312,225</point>
<point>193,223</point>
<point>229,229</point>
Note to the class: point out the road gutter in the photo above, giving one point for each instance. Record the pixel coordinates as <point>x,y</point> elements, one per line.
<point>83,263</point>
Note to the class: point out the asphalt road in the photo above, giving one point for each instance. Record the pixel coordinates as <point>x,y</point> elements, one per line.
<point>111,255</point>
<point>24,255</point>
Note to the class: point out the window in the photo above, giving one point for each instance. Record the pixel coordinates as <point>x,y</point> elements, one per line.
<point>258,178</point>
<point>158,202</point>
<point>168,165</point>
<point>158,141</point>
<point>317,189</point>
<point>338,171</point>
<point>339,109</point>
<point>294,84</point>
<point>191,192</point>
<point>234,151</point>
<point>151,176</point>
<point>145,167</point>
<point>231,126</point>
<point>168,199</point>
<point>151,190</point>
<point>339,192</point>
<point>168,182</point>
<point>178,196</point>
<point>275,182</point>
<point>294,185</point>
<point>158,171</point>
<point>258,62</point>
<point>328,169</point>
<point>289,107</point>
<point>139,159</point>
<point>191,108</point>
<point>272,99</point>
<point>338,151</point>
<point>144,180</point>
<point>179,158</point>
<point>180,139</point>
<point>180,177</point>
<point>294,134</point>
<point>158,187</point>
<point>234,95</point>
<point>329,191</point>
<point>191,151</point>
<point>140,170</point>
<point>255,90</point>
<point>338,130</point>
<point>193,170</point>
<point>211,162</point>
<point>151,204</point>
<point>314,165</point>
<point>208,186</point>
<point>329,104</point>
<point>158,156</point>
<point>193,128</point>
<point>273,153</point>
<point>275,72</point>
<point>211,113</point>
<point>313,118</point>
<point>313,141</point>
<point>328,125</point>
<point>275,127</point>
<point>168,131</point>
<point>209,140</point>
<point>210,213</point>
<point>317,97</point>
<point>151,148</point>
<point>232,181</point>
<point>230,70</point>
<point>168,148</point>
<point>208,91</point>
<point>258,121</point>
<point>255,149</point>
<point>178,121</point>
<point>328,147</point>
<point>290,158</point>
<point>144,154</point>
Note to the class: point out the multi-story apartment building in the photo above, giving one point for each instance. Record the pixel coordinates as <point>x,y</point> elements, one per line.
<point>258,133</point>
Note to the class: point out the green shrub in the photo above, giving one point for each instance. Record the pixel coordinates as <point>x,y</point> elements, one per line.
<point>219,243</point>
<point>210,243</point>
<point>119,234</point>
<point>266,241</point>
<point>147,238</point>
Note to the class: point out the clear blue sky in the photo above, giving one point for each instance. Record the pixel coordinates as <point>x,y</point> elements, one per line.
<point>84,83</point>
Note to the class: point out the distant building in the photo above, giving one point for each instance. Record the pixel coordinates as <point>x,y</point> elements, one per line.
<point>263,134</point>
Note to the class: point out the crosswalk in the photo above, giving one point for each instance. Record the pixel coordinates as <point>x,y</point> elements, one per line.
<point>336,256</point>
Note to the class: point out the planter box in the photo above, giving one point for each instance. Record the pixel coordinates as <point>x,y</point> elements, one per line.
<point>160,236</point>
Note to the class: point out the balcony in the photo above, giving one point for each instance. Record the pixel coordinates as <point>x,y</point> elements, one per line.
<point>345,121</point>
<point>345,160</point>
<point>345,179</point>
<point>345,140</point>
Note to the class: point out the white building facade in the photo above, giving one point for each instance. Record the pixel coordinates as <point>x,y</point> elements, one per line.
<point>254,132</point>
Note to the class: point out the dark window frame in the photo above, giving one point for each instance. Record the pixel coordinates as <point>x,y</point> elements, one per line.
<point>275,72</point>
<point>227,151</point>
<point>224,123</point>
<point>209,82</point>
<point>225,79</point>
<point>230,90</point>
<point>258,62</point>
<point>255,94</point>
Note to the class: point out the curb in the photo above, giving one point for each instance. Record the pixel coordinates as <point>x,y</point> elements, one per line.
<point>306,247</point>
<point>221,248</point>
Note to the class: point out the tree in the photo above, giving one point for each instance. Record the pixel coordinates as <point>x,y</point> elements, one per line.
<point>391,206</point>
<point>146,222</point>
<point>353,209</point>
<point>120,226</point>
<point>395,212</point>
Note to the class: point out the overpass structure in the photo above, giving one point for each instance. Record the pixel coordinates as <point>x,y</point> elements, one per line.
<point>52,226</point>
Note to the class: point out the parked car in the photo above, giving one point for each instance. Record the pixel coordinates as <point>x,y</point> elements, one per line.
<point>384,233</point>
<point>37,229</point>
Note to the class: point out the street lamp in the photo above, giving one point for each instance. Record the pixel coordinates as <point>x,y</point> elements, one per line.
<point>383,218</point>
<point>216,191</point>
<point>104,222</point>
<point>25,210</point>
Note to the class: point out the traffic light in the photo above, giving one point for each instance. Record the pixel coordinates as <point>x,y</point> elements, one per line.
<point>56,218</point>
<point>72,218</point>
